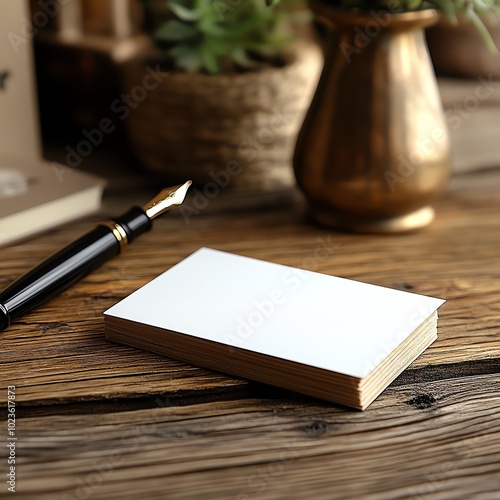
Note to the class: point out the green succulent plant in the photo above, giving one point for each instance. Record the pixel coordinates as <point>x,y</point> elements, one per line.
<point>218,36</point>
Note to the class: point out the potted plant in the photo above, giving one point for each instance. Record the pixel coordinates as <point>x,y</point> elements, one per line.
<point>374,148</point>
<point>231,93</point>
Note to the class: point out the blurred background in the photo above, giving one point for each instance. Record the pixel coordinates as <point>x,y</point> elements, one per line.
<point>86,53</point>
<point>78,78</point>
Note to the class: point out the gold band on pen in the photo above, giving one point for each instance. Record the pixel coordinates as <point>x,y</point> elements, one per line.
<point>118,232</point>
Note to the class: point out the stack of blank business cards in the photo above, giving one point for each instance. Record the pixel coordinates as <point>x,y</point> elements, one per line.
<point>333,338</point>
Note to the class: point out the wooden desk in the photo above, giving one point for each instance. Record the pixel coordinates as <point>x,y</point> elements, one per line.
<point>102,421</point>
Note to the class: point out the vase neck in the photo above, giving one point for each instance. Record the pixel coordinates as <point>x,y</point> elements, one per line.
<point>380,20</point>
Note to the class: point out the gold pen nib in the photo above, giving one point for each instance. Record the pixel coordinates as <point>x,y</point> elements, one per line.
<point>166,200</point>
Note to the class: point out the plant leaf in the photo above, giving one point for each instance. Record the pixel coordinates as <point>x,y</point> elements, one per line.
<point>184,13</point>
<point>483,31</point>
<point>186,57</point>
<point>175,31</point>
<point>240,57</point>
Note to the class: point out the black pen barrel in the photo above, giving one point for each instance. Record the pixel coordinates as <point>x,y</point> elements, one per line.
<point>58,272</point>
<point>69,265</point>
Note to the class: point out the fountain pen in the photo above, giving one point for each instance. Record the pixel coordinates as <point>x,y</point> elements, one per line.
<point>70,264</point>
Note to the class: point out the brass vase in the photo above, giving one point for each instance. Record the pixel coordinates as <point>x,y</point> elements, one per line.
<point>373,151</point>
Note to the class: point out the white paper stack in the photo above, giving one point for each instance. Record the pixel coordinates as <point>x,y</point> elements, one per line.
<point>329,337</point>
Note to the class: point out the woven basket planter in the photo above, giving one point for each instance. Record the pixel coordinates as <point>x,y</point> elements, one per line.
<point>196,126</point>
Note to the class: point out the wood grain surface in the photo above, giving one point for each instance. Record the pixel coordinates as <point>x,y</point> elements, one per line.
<point>121,423</point>
<point>282,447</point>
